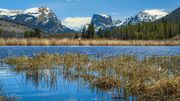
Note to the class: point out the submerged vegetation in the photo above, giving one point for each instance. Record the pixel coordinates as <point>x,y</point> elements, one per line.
<point>152,78</point>
<point>93,42</point>
<point>4,97</point>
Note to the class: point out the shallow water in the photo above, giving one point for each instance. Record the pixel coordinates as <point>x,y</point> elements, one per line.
<point>17,84</point>
<point>102,51</point>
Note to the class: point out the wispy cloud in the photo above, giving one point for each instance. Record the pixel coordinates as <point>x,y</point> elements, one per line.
<point>76,22</point>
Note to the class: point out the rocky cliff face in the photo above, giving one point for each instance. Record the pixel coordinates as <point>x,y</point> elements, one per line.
<point>102,21</point>
<point>117,22</point>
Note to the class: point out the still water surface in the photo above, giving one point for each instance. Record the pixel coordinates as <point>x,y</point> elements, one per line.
<point>17,84</point>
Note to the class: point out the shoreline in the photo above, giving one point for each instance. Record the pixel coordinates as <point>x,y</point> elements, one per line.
<point>79,42</point>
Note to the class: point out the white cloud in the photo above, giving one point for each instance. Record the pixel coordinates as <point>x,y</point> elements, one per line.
<point>76,22</point>
<point>156,12</point>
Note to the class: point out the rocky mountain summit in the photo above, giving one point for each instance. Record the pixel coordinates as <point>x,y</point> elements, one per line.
<point>43,18</point>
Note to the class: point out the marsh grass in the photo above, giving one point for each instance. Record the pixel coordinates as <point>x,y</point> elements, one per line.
<point>150,78</point>
<point>95,42</point>
<point>164,89</point>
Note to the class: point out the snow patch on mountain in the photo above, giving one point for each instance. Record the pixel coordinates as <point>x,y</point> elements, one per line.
<point>104,15</point>
<point>32,10</point>
<point>42,18</point>
<point>10,12</point>
<point>146,16</point>
<point>102,21</point>
<point>117,22</point>
<point>45,19</point>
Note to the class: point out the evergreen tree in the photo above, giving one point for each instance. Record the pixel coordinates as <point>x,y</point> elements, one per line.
<point>29,34</point>
<point>26,34</point>
<point>148,30</point>
<point>88,36</point>
<point>100,33</point>
<point>107,34</point>
<point>83,33</point>
<point>166,34</point>
<point>37,32</point>
<point>90,31</point>
<point>170,30</point>
<point>0,33</point>
<point>179,28</point>
<point>76,36</point>
<point>138,27</point>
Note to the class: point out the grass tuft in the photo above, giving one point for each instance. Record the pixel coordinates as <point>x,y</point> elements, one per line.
<point>77,42</point>
<point>152,78</point>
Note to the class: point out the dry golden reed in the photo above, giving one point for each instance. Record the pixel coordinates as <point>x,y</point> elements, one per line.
<point>152,78</point>
<point>78,42</point>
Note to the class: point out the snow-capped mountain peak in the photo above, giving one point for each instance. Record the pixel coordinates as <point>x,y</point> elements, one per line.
<point>10,12</point>
<point>38,11</point>
<point>146,16</point>
<point>104,15</point>
<point>117,22</point>
<point>102,21</point>
<point>32,10</point>
<point>42,18</point>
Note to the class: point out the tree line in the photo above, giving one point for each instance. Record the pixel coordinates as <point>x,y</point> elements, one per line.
<point>0,32</point>
<point>147,31</point>
<point>35,33</point>
<point>161,29</point>
<point>27,34</point>
<point>91,33</point>
<point>88,33</point>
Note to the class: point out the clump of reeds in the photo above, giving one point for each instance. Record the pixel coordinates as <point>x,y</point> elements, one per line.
<point>95,42</point>
<point>164,89</point>
<point>106,83</point>
<point>150,77</point>
<point>38,61</point>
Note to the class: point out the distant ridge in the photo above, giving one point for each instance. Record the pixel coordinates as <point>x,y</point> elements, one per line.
<point>146,16</point>
<point>42,18</point>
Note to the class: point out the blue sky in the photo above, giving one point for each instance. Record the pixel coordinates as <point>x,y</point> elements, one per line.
<point>83,8</point>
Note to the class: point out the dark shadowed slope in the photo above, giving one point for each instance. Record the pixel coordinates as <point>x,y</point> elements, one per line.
<point>174,16</point>
<point>11,29</point>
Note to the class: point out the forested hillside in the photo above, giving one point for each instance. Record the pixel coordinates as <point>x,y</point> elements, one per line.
<point>166,27</point>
